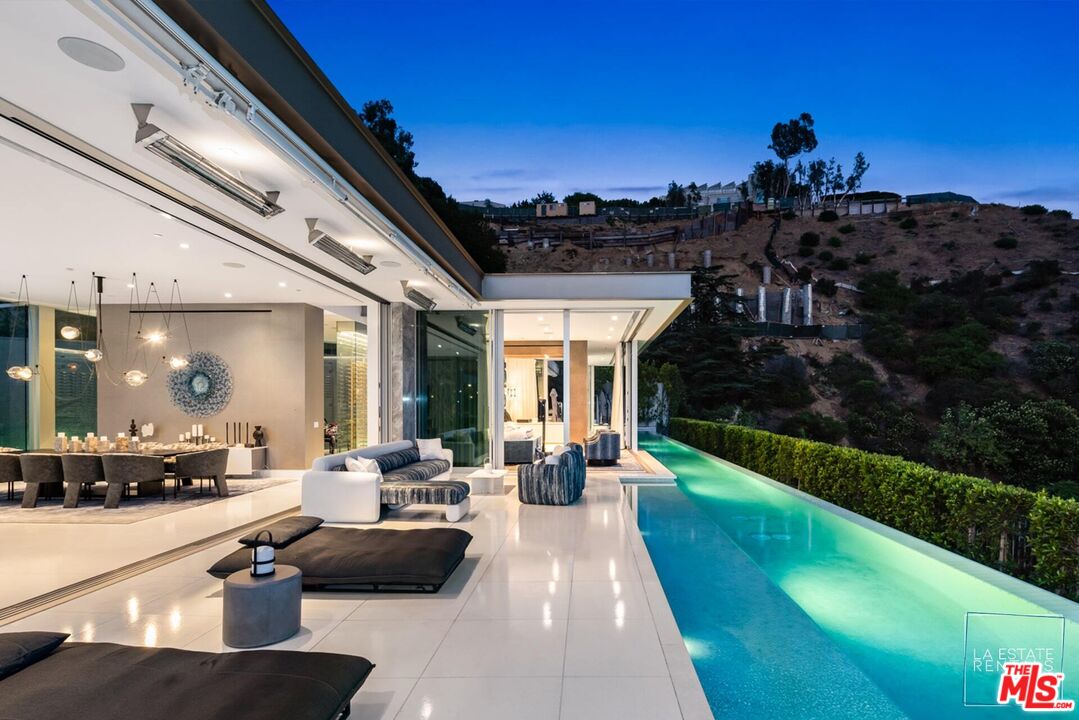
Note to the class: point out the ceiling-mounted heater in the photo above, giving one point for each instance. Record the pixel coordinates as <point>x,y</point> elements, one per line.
<point>168,148</point>
<point>320,239</point>
<point>415,296</point>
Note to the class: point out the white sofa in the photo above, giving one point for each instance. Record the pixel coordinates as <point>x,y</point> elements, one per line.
<point>337,495</point>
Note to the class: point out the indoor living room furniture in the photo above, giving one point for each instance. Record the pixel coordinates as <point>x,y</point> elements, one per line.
<point>10,472</point>
<point>556,480</point>
<point>81,472</point>
<point>203,465</point>
<point>330,491</point>
<point>125,469</point>
<point>487,481</point>
<point>603,447</point>
<point>42,472</point>
<point>261,609</point>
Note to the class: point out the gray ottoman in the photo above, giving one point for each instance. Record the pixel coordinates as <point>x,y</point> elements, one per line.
<point>261,610</point>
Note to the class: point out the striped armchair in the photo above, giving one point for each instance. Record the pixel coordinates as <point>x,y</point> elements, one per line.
<point>560,483</point>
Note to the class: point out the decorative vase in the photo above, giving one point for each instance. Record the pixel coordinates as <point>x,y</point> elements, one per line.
<point>259,436</point>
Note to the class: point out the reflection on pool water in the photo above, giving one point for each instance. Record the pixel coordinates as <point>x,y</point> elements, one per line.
<point>790,610</point>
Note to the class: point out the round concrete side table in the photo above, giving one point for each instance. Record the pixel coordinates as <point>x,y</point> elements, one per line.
<point>261,610</point>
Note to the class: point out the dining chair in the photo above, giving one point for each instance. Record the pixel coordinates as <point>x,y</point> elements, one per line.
<point>124,469</point>
<point>81,472</point>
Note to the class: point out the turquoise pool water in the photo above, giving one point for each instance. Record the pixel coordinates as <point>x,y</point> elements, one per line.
<point>790,610</point>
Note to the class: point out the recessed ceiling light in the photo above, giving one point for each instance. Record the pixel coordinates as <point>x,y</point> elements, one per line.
<point>228,294</point>
<point>236,265</point>
<point>91,54</point>
<point>184,246</point>
<point>282,284</point>
<point>614,317</point>
<point>157,235</point>
<point>390,263</point>
<point>165,215</point>
<point>540,318</point>
<point>131,286</point>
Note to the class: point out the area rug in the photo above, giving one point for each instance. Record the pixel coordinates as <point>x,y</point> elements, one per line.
<point>131,510</point>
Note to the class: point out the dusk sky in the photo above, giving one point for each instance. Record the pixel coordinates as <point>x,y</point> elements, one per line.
<point>506,99</point>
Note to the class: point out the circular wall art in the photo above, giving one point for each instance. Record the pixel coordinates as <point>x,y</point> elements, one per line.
<point>203,387</point>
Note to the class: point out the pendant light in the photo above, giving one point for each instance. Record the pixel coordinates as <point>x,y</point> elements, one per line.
<point>70,332</point>
<point>22,373</point>
<point>96,354</point>
<point>135,378</point>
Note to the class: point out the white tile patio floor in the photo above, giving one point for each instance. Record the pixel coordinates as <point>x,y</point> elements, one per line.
<point>556,613</point>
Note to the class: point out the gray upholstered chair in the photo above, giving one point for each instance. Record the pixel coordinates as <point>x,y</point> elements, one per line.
<point>81,471</point>
<point>42,473</point>
<point>204,464</point>
<point>123,469</point>
<point>603,448</point>
<point>10,472</point>
<point>560,482</point>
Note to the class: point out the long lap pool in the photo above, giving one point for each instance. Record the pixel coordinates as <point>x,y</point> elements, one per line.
<point>791,608</point>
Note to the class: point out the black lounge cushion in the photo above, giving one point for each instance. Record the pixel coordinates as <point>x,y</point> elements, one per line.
<point>22,649</point>
<point>282,533</point>
<point>369,557</point>
<point>105,681</point>
<point>419,471</point>
<point>427,492</point>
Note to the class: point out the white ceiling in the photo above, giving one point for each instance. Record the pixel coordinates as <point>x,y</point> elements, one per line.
<point>57,222</point>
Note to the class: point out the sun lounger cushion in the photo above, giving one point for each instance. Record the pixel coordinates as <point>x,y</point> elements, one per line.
<point>99,681</point>
<point>283,532</point>
<point>394,460</point>
<point>374,558</point>
<point>417,471</point>
<point>19,650</point>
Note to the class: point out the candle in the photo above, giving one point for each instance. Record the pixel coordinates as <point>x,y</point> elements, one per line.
<point>187,436</point>
<point>199,433</point>
<point>194,429</point>
<point>181,437</point>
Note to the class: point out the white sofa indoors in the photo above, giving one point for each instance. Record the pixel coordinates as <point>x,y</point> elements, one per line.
<point>335,494</point>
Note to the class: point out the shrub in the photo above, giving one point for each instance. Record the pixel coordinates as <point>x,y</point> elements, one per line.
<point>863,258</point>
<point>825,255</point>
<point>1039,274</point>
<point>1061,214</point>
<point>908,224</point>
<point>839,264</point>
<point>846,229</point>
<point>789,215</point>
<point>881,292</point>
<point>814,426</point>
<point>887,340</point>
<point>805,274</point>
<point>826,287</point>
<point>835,242</point>
<point>805,252</point>
<point>1006,243</point>
<point>961,351</point>
<point>828,216</point>
<point>1033,210</point>
<point>967,515</point>
<point>809,239</point>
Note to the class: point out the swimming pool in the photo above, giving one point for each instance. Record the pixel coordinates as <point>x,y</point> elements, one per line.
<point>792,610</point>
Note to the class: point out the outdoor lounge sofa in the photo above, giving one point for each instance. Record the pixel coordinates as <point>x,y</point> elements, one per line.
<point>555,480</point>
<point>330,491</point>
<point>603,447</point>
<point>373,559</point>
<point>105,681</point>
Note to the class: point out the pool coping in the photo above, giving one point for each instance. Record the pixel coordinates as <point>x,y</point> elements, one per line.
<point>688,690</point>
<point>1020,588</point>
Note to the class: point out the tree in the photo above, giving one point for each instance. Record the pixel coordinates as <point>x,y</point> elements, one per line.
<point>577,198</point>
<point>377,115</point>
<point>676,195</point>
<point>966,442</point>
<point>470,229</point>
<point>540,198</point>
<point>854,180</point>
<point>693,195</point>
<point>768,178</point>
<point>791,139</point>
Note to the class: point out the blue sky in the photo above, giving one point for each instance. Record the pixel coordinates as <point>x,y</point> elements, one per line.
<point>506,99</point>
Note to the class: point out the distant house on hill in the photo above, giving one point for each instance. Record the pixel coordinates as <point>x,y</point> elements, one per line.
<point>555,209</point>
<point>939,197</point>
<point>720,193</point>
<point>482,203</point>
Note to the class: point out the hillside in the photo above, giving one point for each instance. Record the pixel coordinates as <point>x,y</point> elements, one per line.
<point>972,322</point>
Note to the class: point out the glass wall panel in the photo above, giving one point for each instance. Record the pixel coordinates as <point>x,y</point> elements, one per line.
<point>452,383</point>
<point>345,386</point>
<point>76,381</point>
<point>14,394</point>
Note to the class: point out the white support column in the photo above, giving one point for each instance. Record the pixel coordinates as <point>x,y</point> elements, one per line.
<point>632,373</point>
<point>496,392</point>
<point>565,377</point>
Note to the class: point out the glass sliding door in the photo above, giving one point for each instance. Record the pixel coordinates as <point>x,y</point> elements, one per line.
<point>14,394</point>
<point>76,381</point>
<point>452,381</point>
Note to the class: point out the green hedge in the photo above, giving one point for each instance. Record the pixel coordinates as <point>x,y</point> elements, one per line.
<point>1029,535</point>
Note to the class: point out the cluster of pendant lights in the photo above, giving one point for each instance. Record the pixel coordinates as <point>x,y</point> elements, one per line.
<point>133,377</point>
